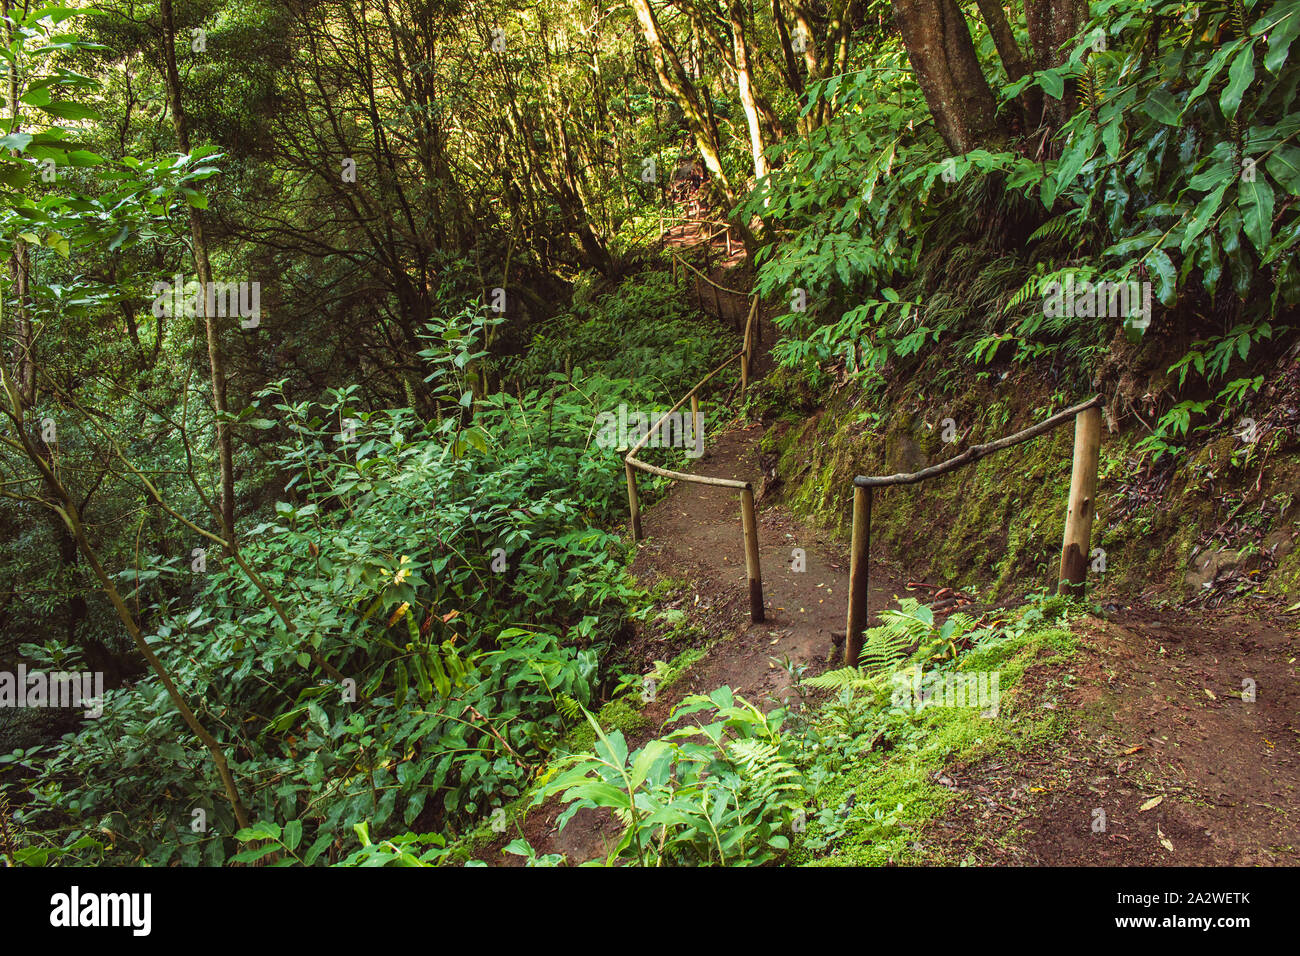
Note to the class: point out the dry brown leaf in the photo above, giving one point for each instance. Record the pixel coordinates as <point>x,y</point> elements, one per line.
<point>1164,841</point>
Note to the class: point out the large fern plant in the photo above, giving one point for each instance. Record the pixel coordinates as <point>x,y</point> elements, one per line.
<point>899,633</point>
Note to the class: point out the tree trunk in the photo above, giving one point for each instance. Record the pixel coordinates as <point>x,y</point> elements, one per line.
<point>24,361</point>
<point>789,65</point>
<point>1052,25</point>
<point>745,86</point>
<point>1013,58</point>
<point>203,265</point>
<point>673,79</point>
<point>943,57</point>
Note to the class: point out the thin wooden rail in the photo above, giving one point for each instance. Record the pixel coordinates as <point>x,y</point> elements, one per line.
<point>748,518</point>
<point>1078,523</point>
<point>726,228</point>
<point>702,222</point>
<point>720,288</point>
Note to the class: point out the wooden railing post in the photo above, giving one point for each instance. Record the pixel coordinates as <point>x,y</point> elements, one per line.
<point>1083,501</point>
<point>633,505</point>
<point>697,425</point>
<point>859,576</point>
<point>749,523</point>
<point>746,348</point>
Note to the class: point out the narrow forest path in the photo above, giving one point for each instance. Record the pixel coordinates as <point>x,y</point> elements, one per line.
<point>693,536</point>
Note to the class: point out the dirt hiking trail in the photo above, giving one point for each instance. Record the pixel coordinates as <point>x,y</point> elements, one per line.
<point>693,535</point>
<point>1166,753</point>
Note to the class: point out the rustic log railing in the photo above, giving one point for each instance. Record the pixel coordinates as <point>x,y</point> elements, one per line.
<point>748,519</point>
<point>688,220</point>
<point>1078,520</point>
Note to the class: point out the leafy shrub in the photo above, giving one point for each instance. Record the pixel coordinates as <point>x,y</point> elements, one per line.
<point>1179,167</point>
<point>722,800</point>
<point>646,327</point>
<point>439,601</point>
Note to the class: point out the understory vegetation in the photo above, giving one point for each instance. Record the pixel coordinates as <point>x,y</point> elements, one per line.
<point>846,777</point>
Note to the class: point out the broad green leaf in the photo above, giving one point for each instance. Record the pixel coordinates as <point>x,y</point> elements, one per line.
<point>1283,164</point>
<point>1166,284</point>
<point>654,750</point>
<point>36,97</point>
<point>1284,241</point>
<point>613,747</point>
<point>293,834</point>
<point>1240,74</point>
<point>54,13</point>
<point>261,830</point>
<point>1204,213</point>
<point>15,177</point>
<point>255,854</point>
<point>1160,106</point>
<point>1210,71</point>
<point>18,141</point>
<point>1212,175</point>
<point>402,682</point>
<point>1283,25</point>
<point>602,794</point>
<point>1256,201</point>
<point>1075,155</point>
<point>66,109</point>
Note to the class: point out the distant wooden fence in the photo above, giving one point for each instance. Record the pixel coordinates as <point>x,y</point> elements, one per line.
<point>753,330</point>
<point>1078,520</point>
<point>725,229</point>
<point>748,519</point>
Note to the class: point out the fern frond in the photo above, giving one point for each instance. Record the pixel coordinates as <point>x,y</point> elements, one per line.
<point>1057,227</point>
<point>960,623</point>
<point>1029,290</point>
<point>766,773</point>
<point>898,632</point>
<point>567,707</point>
<point>851,677</point>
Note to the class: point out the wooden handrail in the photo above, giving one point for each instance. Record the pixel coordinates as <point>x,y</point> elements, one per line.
<point>748,518</point>
<point>702,222</point>
<point>684,476</point>
<point>664,417</point>
<point>720,288</point>
<point>976,452</point>
<point>1078,523</point>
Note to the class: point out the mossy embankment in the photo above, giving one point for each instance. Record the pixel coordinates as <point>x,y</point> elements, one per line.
<point>1220,514</point>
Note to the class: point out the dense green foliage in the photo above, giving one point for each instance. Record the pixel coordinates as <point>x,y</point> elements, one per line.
<point>1176,169</point>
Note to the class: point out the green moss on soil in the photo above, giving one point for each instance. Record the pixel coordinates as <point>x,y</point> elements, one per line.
<point>900,783</point>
